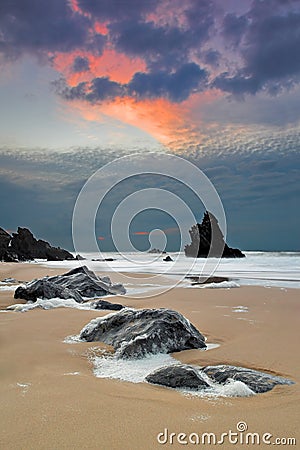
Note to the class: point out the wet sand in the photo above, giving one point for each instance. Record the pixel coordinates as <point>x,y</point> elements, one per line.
<point>50,399</point>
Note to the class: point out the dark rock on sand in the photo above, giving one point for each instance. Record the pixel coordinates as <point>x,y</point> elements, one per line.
<point>190,377</point>
<point>203,245</point>
<point>257,381</point>
<point>103,304</point>
<point>168,258</point>
<point>80,258</point>
<point>136,333</point>
<point>178,376</point>
<point>77,283</point>
<point>104,259</point>
<point>156,250</point>
<point>22,246</point>
<point>202,280</point>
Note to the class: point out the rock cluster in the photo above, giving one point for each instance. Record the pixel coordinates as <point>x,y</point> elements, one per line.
<point>208,240</point>
<point>199,378</point>
<point>140,333</point>
<point>23,246</point>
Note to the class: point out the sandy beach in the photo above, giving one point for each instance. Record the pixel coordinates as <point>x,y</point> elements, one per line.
<point>50,398</point>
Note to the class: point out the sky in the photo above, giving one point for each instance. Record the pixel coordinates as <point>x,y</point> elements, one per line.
<point>217,82</point>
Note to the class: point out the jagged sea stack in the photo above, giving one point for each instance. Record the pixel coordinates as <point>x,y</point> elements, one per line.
<point>203,246</point>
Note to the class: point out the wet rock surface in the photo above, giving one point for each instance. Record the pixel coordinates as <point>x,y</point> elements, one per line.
<point>178,376</point>
<point>257,381</point>
<point>137,333</point>
<point>199,378</point>
<point>77,284</point>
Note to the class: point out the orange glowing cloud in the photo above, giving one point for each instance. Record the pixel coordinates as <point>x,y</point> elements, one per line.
<point>100,27</point>
<point>117,66</point>
<point>172,124</point>
<point>141,233</point>
<point>76,8</point>
<point>101,238</point>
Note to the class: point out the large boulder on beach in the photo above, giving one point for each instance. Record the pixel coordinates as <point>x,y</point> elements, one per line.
<point>23,246</point>
<point>79,283</point>
<point>207,240</point>
<point>257,381</point>
<point>136,333</point>
<point>178,376</point>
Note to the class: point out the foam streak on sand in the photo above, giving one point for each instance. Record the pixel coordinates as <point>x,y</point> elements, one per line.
<point>50,304</point>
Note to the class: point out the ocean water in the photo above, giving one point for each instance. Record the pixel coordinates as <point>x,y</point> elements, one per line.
<point>268,269</point>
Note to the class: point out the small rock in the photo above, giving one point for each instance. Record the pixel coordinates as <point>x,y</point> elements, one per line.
<point>178,376</point>
<point>103,304</point>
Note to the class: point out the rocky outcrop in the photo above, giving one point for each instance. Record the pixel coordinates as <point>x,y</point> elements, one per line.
<point>178,376</point>
<point>79,283</point>
<point>23,246</point>
<point>136,333</point>
<point>203,245</point>
<point>257,381</point>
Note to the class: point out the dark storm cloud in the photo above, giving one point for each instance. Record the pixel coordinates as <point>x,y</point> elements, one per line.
<point>80,64</point>
<point>165,46</point>
<point>211,57</point>
<point>117,9</point>
<point>259,49</point>
<point>70,93</point>
<point>160,45</point>
<point>98,90</point>
<point>238,84</point>
<point>269,40</point>
<point>103,88</point>
<point>175,86</point>
<point>41,26</point>
<point>234,27</point>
